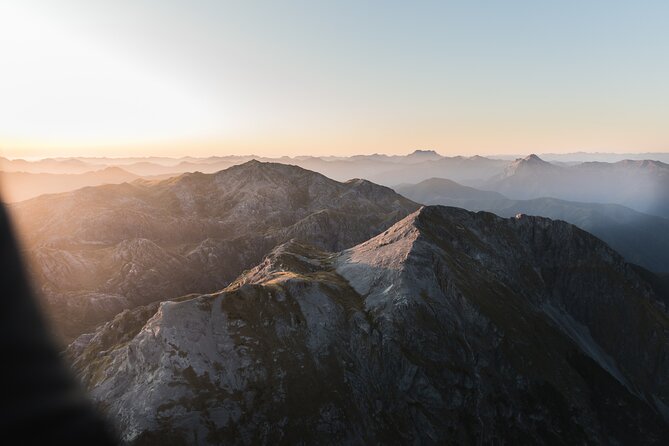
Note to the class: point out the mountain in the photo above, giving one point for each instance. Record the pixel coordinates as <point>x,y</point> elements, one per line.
<point>48,165</point>
<point>450,327</point>
<point>432,190</point>
<point>641,238</point>
<point>18,186</point>
<point>529,166</point>
<point>382,169</point>
<point>147,168</point>
<point>98,250</point>
<point>640,185</point>
<point>423,155</point>
<point>530,177</point>
<point>474,170</point>
<point>582,157</point>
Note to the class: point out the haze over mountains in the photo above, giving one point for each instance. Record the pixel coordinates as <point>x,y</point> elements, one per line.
<point>642,185</point>
<point>18,186</point>
<point>269,303</point>
<point>641,238</point>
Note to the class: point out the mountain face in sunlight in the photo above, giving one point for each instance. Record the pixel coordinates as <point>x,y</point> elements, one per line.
<point>447,327</point>
<point>97,251</point>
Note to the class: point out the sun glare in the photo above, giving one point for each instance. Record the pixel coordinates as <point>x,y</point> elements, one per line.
<point>58,88</point>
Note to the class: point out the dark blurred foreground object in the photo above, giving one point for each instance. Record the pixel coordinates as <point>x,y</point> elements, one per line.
<point>40,402</point>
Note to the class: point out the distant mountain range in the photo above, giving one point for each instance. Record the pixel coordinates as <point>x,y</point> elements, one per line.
<point>49,165</point>
<point>642,185</point>
<point>18,186</point>
<point>604,157</point>
<point>448,327</point>
<point>641,238</point>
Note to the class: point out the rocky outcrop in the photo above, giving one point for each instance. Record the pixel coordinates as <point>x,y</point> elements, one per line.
<point>448,327</point>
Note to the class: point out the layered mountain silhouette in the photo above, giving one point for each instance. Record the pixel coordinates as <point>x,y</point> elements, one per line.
<point>433,190</point>
<point>448,327</point>
<point>99,250</point>
<point>19,186</point>
<point>641,238</point>
<point>640,185</point>
<point>50,165</point>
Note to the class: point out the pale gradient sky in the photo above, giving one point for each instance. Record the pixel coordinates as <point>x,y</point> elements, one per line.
<point>142,77</point>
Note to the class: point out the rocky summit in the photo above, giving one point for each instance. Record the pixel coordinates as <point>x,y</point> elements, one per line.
<point>450,327</point>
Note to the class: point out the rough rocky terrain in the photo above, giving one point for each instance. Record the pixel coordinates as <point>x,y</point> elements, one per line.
<point>450,327</point>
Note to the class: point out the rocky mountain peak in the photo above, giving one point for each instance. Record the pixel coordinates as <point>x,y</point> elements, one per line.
<point>446,316</point>
<point>532,160</point>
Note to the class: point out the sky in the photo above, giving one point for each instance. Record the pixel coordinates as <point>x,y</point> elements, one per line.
<point>140,77</point>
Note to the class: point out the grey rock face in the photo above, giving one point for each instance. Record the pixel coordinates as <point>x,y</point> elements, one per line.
<point>448,327</point>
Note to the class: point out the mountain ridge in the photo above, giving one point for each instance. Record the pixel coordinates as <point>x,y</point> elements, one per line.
<point>427,322</point>
<point>640,185</point>
<point>154,240</point>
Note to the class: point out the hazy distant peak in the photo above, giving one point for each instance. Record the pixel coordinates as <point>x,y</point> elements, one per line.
<point>257,164</point>
<point>111,169</point>
<point>532,158</point>
<point>439,181</point>
<point>435,190</point>
<point>424,154</point>
<point>116,170</point>
<point>529,164</point>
